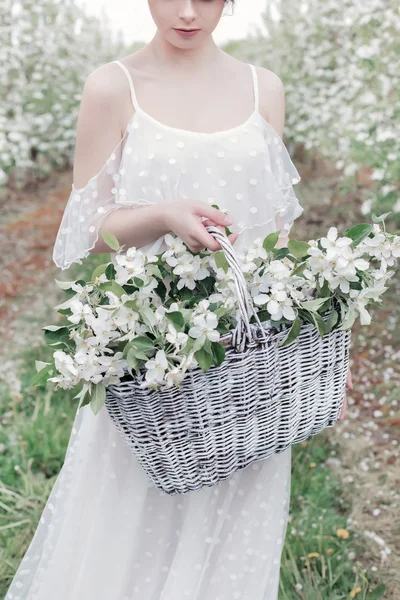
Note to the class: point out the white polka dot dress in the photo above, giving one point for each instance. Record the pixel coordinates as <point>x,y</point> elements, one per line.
<point>106,533</point>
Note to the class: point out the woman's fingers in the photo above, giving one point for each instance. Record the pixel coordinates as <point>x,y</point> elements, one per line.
<point>343,409</point>
<point>349,380</point>
<point>232,237</point>
<point>205,239</point>
<point>204,210</point>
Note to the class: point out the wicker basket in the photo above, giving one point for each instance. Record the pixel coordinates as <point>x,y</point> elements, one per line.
<point>262,399</point>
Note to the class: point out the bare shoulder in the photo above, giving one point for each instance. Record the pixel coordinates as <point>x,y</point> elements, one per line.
<point>271,98</point>
<point>106,83</point>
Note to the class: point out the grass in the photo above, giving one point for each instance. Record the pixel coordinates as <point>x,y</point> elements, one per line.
<point>317,562</point>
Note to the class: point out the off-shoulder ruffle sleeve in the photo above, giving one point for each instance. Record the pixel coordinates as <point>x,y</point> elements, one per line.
<point>284,175</point>
<point>87,208</point>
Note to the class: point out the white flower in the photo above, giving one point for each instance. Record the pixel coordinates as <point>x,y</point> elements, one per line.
<point>203,306</point>
<point>64,363</point>
<point>131,264</point>
<point>156,368</point>
<point>68,372</point>
<point>114,301</point>
<point>247,263</point>
<point>336,246</point>
<point>196,273</point>
<point>205,327</point>
<point>257,249</point>
<point>347,266</point>
<point>175,244</point>
<point>278,303</point>
<point>81,290</point>
<point>174,377</point>
<point>126,319</point>
<point>182,264</point>
<point>342,281</point>
<point>395,246</point>
<point>279,270</point>
<point>176,338</point>
<point>80,311</point>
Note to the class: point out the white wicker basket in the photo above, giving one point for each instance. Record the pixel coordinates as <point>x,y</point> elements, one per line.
<point>259,401</point>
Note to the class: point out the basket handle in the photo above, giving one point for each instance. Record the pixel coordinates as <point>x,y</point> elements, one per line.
<point>242,331</point>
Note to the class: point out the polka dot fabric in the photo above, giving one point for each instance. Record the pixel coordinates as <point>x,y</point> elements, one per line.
<point>245,169</point>
<point>106,533</point>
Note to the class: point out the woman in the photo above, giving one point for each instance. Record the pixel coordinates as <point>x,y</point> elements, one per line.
<point>205,129</point>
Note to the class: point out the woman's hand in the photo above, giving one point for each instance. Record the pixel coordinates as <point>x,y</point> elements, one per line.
<point>187,219</point>
<point>349,384</point>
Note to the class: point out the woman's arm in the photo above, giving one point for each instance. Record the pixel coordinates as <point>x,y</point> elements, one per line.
<point>98,134</point>
<point>272,108</point>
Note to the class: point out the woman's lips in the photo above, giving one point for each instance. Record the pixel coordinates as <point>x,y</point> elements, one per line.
<point>187,34</point>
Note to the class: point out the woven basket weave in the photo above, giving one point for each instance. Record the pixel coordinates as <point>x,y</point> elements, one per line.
<point>259,401</point>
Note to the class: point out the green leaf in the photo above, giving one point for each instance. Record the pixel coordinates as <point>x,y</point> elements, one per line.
<point>39,365</point>
<point>207,345</point>
<point>218,353</point>
<point>381,218</point>
<point>377,592</point>
<point>299,269</point>
<point>228,231</point>
<point>298,249</point>
<point>139,282</point>
<point>148,316</point>
<point>132,361</point>
<point>54,334</point>
<point>281,253</point>
<point>86,397</point>
<point>319,322</point>
<point>269,242</point>
<point>142,343</point>
<point>54,328</point>
<point>222,328</point>
<point>187,348</point>
<point>132,304</point>
<point>198,344</point>
<point>176,319</point>
<point>358,232</point>
<point>206,286</point>
<point>313,304</point>
<point>193,300</point>
<point>43,374</point>
<point>153,269</point>
<point>292,333</point>
<point>112,286</point>
<point>99,271</point>
<point>161,290</point>
<point>64,285</point>
<point>98,397</point>
<point>129,288</point>
<point>118,289</point>
<point>331,321</point>
<point>220,261</point>
<point>110,271</point>
<point>349,319</point>
<point>110,240</point>
<point>263,315</point>
<point>204,359</point>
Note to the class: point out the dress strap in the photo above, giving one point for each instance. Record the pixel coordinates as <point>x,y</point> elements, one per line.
<point>133,94</point>
<point>255,85</point>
